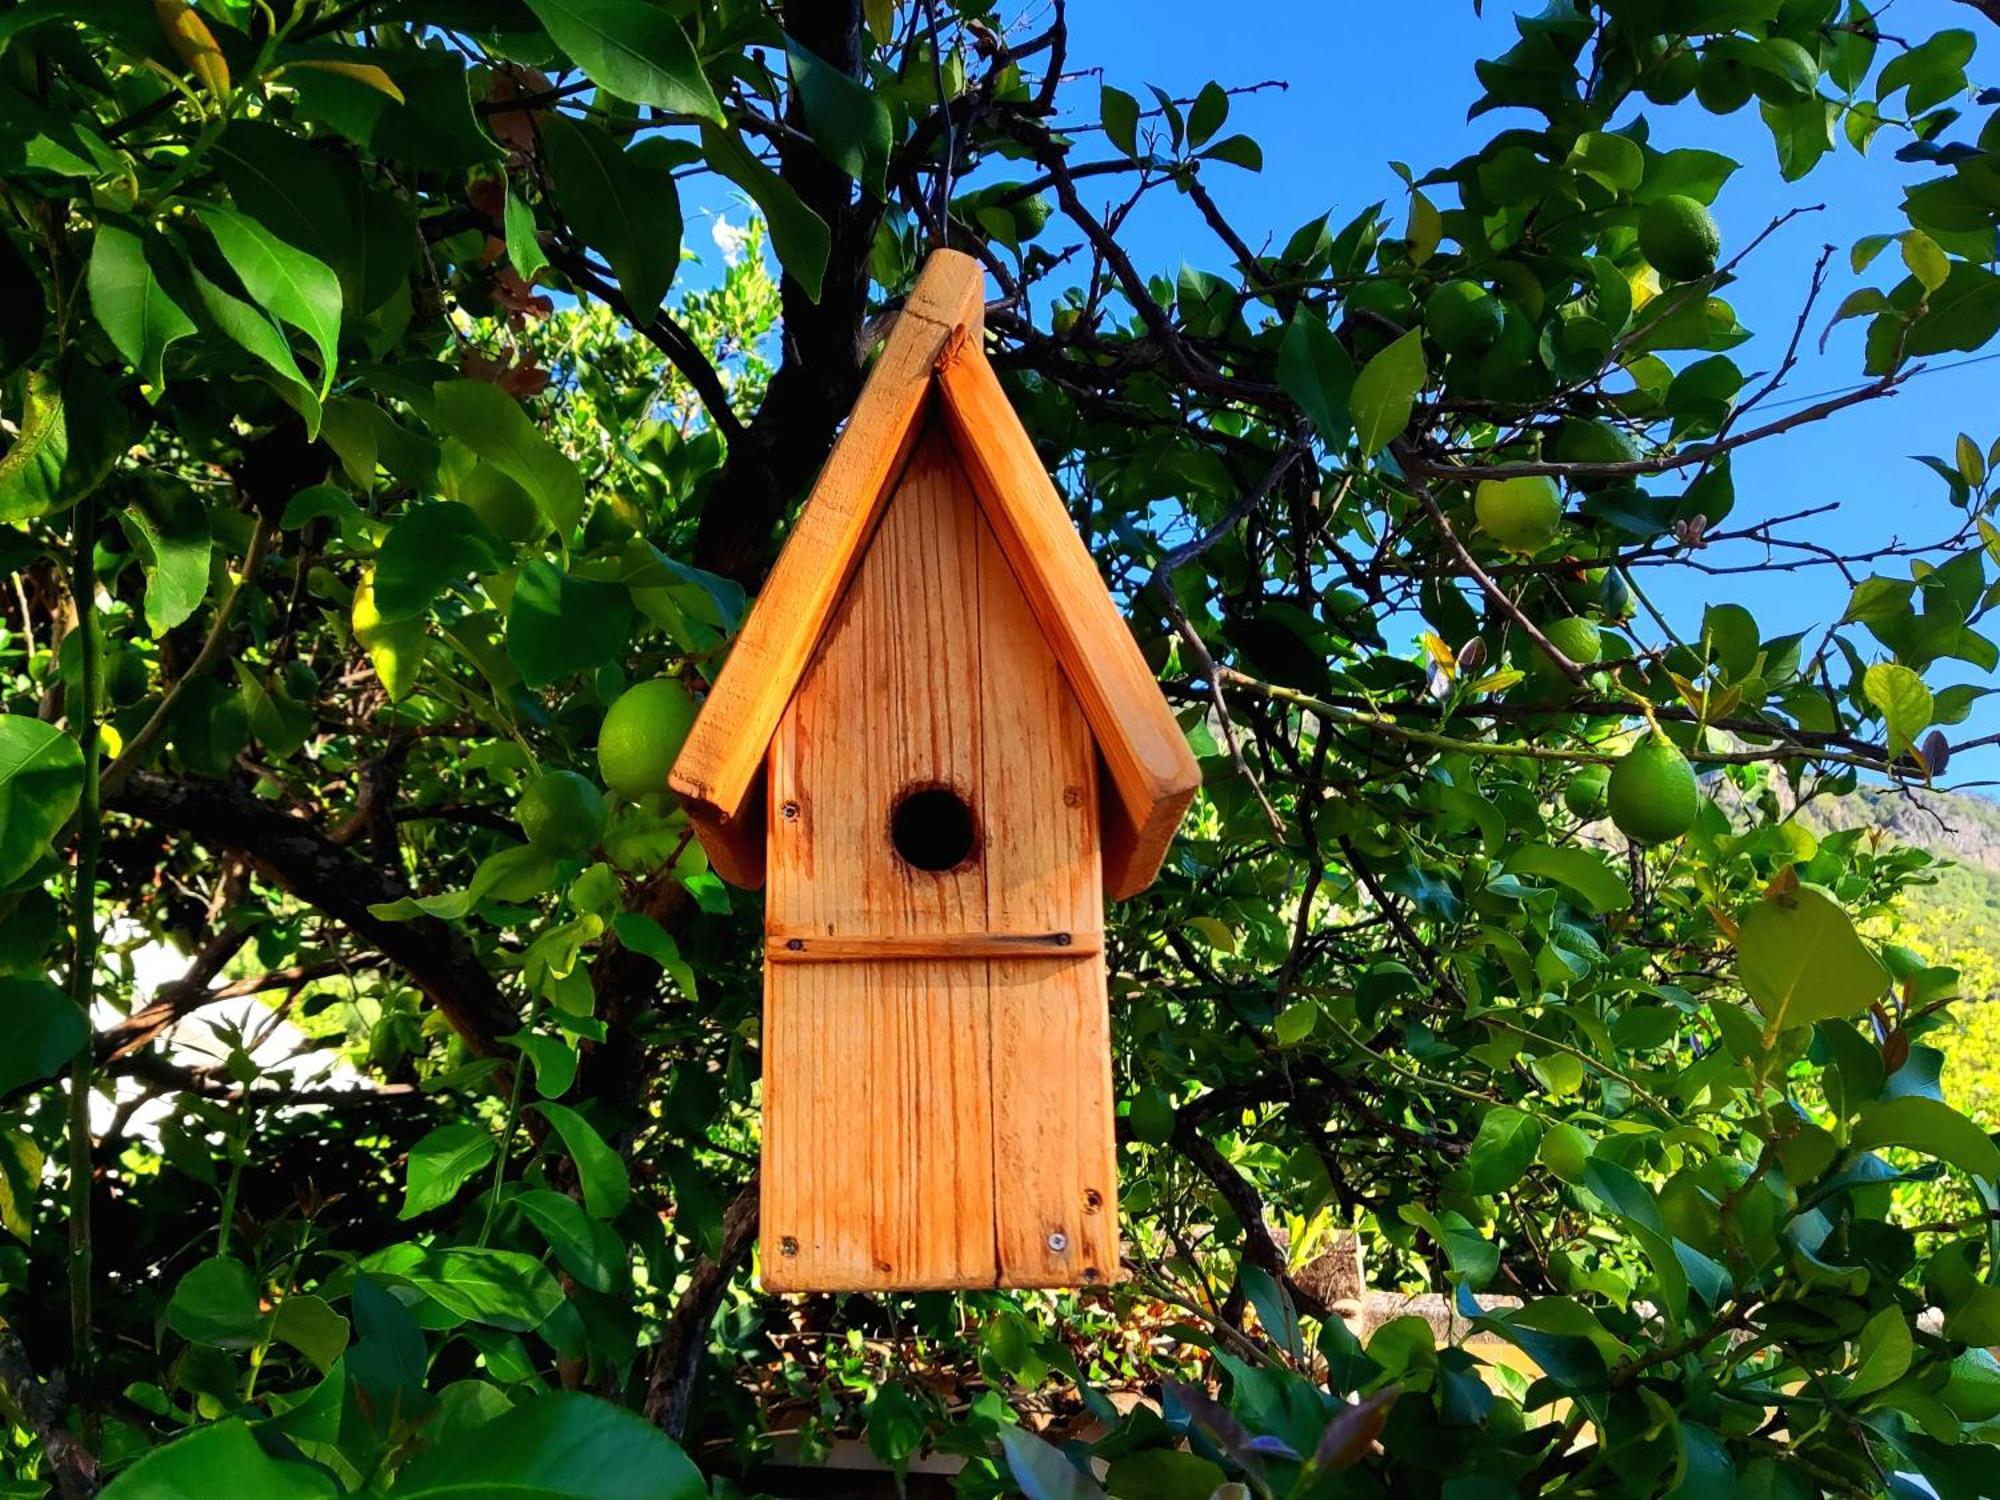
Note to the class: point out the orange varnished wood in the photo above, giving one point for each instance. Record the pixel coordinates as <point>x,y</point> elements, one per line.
<point>717,767</point>
<point>1151,768</point>
<point>935,1122</point>
<point>734,846</point>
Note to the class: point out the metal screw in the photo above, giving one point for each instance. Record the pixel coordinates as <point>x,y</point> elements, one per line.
<point>1062,940</point>
<point>788,1246</point>
<point>795,945</point>
<point>1058,1241</point>
<point>1091,1275</point>
<point>789,811</point>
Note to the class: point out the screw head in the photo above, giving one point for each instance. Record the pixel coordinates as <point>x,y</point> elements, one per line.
<point>789,811</point>
<point>1058,1241</point>
<point>788,1246</point>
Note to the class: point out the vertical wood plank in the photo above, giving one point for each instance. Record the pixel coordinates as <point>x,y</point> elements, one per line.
<point>1055,1169</point>
<point>877,1097</point>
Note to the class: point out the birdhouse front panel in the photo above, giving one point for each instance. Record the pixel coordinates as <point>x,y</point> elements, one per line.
<point>937,1082</point>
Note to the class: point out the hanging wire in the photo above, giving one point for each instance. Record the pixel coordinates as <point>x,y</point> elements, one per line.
<point>941,213</point>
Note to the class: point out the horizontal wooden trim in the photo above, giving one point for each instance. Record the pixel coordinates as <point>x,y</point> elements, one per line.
<point>806,947</point>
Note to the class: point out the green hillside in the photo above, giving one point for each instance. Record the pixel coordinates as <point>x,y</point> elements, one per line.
<point>1954,920</point>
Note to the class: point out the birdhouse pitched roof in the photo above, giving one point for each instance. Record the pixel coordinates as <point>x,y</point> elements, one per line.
<point>932,368</point>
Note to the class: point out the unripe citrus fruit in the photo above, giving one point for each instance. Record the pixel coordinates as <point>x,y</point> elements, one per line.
<point>1521,514</point>
<point>1463,317</point>
<point>642,734</point>
<point>1679,237</point>
<point>1586,791</point>
<point>562,814</point>
<point>1673,77</point>
<point>1581,442</point>
<point>1577,639</point>
<point>1724,84</point>
<point>1652,792</point>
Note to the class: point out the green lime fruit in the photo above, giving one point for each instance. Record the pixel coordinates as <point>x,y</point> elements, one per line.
<point>1520,514</point>
<point>1463,317</point>
<point>1724,84</point>
<point>1577,639</point>
<point>1678,235</point>
<point>301,682</point>
<point>1581,442</point>
<point>125,676</point>
<point>642,734</point>
<point>1652,792</point>
<point>562,814</point>
<point>1392,300</point>
<point>1585,795</point>
<point>1673,77</point>
<point>507,510</point>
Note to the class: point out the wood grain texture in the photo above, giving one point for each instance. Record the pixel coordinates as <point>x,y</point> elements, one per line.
<point>1151,768</point>
<point>718,765</point>
<point>811,948</point>
<point>935,1121</point>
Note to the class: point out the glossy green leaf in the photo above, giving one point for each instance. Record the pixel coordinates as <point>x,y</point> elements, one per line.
<point>1799,959</point>
<point>1385,393</point>
<point>623,203</point>
<point>224,1458</point>
<point>1929,1126</point>
<point>847,121</point>
<point>558,1446</point>
<point>216,1303</point>
<point>141,316</point>
<point>443,1161</point>
<point>799,235</point>
<point>606,1185</point>
<point>294,287</point>
<point>635,49</point>
<point>589,1249</point>
<point>168,525</point>
<point>43,1028</point>
<point>492,424</point>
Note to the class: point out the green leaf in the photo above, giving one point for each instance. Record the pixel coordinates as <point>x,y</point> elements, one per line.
<point>558,1446</point>
<point>311,1326</point>
<point>558,624</point>
<point>1119,112</point>
<point>589,1249</point>
<point>606,1187</point>
<point>642,934</point>
<point>847,121</point>
<point>524,248</point>
<point>1502,1150</point>
<point>140,315</point>
<point>43,1027</point>
<point>168,525</point>
<point>519,873</point>
<point>254,331</point>
<point>1904,700</point>
<point>1799,959</point>
<point>21,1164</point>
<point>1884,1353</point>
<point>492,424</point>
<point>428,549</point>
<point>294,287</point>
<point>501,1288</point>
<point>1317,372</point>
<point>1041,1470</point>
<point>1163,1474</point>
<point>220,1459</point>
<point>216,1304</point>
<point>799,235</point>
<point>69,433</point>
<point>41,777</point>
<point>1385,392</point>
<point>1583,870</point>
<point>1930,1126</point>
<point>441,1163</point>
<point>624,204</point>
<point>635,49</point>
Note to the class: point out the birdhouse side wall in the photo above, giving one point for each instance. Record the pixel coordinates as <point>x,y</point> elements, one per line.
<point>935,1120</point>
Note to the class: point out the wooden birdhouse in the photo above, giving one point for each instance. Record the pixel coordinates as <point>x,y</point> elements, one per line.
<point>936,745</point>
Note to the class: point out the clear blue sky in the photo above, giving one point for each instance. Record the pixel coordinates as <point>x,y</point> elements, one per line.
<point>1367,84</point>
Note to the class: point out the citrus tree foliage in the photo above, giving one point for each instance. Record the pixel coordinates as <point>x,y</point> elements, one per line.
<point>365,453</point>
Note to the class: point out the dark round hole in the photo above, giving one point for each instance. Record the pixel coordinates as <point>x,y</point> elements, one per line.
<point>932,829</point>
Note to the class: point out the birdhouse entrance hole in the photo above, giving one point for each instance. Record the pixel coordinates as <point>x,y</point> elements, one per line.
<point>932,828</point>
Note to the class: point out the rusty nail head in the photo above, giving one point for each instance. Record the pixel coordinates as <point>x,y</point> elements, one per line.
<point>1058,1241</point>
<point>788,1245</point>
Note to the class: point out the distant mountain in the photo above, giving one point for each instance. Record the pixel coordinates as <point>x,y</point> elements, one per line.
<point>1954,825</point>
